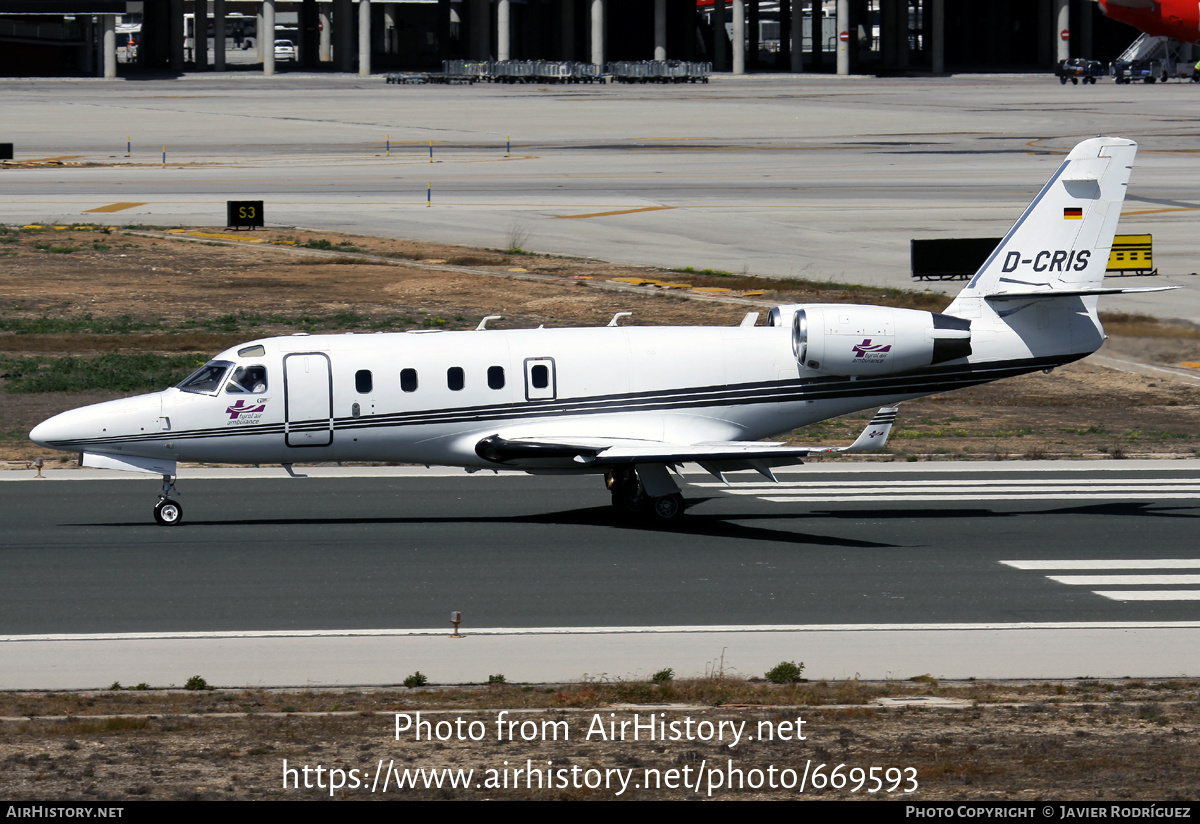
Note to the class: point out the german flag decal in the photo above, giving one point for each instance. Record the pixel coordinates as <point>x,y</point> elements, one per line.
<point>1072,213</point>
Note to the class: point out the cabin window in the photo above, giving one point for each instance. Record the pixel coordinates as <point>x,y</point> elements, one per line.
<point>206,379</point>
<point>454,378</point>
<point>495,377</point>
<point>362,381</point>
<point>539,379</point>
<point>247,380</point>
<point>408,380</point>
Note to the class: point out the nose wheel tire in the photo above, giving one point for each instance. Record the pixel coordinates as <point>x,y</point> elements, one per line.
<point>168,512</point>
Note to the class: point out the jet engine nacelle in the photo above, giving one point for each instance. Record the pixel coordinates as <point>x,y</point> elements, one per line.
<point>849,339</point>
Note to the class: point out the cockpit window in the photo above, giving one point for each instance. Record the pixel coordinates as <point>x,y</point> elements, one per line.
<point>249,380</point>
<point>206,379</point>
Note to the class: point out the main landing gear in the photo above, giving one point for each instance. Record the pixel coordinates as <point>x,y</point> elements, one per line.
<point>631,500</point>
<point>168,511</point>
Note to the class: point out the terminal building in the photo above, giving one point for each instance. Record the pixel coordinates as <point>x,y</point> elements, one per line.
<point>114,38</point>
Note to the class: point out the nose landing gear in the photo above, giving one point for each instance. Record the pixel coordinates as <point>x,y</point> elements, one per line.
<point>168,511</point>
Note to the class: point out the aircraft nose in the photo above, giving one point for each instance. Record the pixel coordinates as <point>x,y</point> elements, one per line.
<point>129,416</point>
<point>40,433</point>
<point>51,430</point>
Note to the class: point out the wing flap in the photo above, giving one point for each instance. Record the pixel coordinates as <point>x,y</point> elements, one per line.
<point>716,457</point>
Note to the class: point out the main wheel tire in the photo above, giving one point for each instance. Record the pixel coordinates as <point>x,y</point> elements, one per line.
<point>168,512</point>
<point>668,507</point>
<point>628,498</point>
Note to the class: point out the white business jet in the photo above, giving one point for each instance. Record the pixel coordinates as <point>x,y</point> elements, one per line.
<point>630,403</point>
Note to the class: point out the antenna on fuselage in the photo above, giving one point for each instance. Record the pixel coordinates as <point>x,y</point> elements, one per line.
<point>618,316</point>
<point>483,323</point>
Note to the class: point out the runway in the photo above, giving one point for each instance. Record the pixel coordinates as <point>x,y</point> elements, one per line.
<point>1057,565</point>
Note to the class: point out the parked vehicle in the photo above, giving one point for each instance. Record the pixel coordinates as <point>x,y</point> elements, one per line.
<point>285,50</point>
<point>1079,68</point>
<point>1147,71</point>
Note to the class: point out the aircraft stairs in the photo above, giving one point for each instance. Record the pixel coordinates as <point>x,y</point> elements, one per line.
<point>1173,56</point>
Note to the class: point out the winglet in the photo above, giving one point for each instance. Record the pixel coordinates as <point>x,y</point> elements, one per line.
<point>876,434</point>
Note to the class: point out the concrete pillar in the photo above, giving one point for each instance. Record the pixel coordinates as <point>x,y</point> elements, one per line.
<point>364,38</point>
<point>200,30</point>
<point>219,35</point>
<point>503,31</point>
<point>598,15</point>
<point>175,35</point>
<point>739,36</point>
<point>753,47</point>
<point>817,33</point>
<point>720,38</point>
<point>1062,22</point>
<point>783,58</point>
<point>893,34</point>
<point>258,41</point>
<point>843,42</point>
<point>998,16</point>
<point>266,37</point>
<point>391,33</point>
<point>798,35</point>
<point>660,29</point>
<point>1084,27</point>
<point>480,18</point>
<point>343,21</point>
<point>937,33</point>
<point>444,11</point>
<point>108,45</point>
<point>568,30</point>
<point>306,47</point>
<point>326,47</point>
<point>887,25</point>
<point>89,57</point>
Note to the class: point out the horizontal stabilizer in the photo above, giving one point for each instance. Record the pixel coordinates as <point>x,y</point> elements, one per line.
<point>1046,294</point>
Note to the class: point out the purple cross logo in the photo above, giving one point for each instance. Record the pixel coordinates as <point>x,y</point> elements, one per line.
<point>240,408</point>
<point>865,348</point>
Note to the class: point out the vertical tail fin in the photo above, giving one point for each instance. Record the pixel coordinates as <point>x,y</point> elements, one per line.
<point>1063,239</point>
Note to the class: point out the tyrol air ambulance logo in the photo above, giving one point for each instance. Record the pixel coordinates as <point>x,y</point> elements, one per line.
<point>242,413</point>
<point>866,352</point>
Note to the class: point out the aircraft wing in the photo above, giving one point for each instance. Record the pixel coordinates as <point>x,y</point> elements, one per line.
<point>715,457</point>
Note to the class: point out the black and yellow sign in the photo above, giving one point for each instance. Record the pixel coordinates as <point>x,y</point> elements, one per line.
<point>1132,255</point>
<point>244,214</point>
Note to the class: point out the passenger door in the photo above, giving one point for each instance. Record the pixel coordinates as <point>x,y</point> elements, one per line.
<point>308,406</point>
